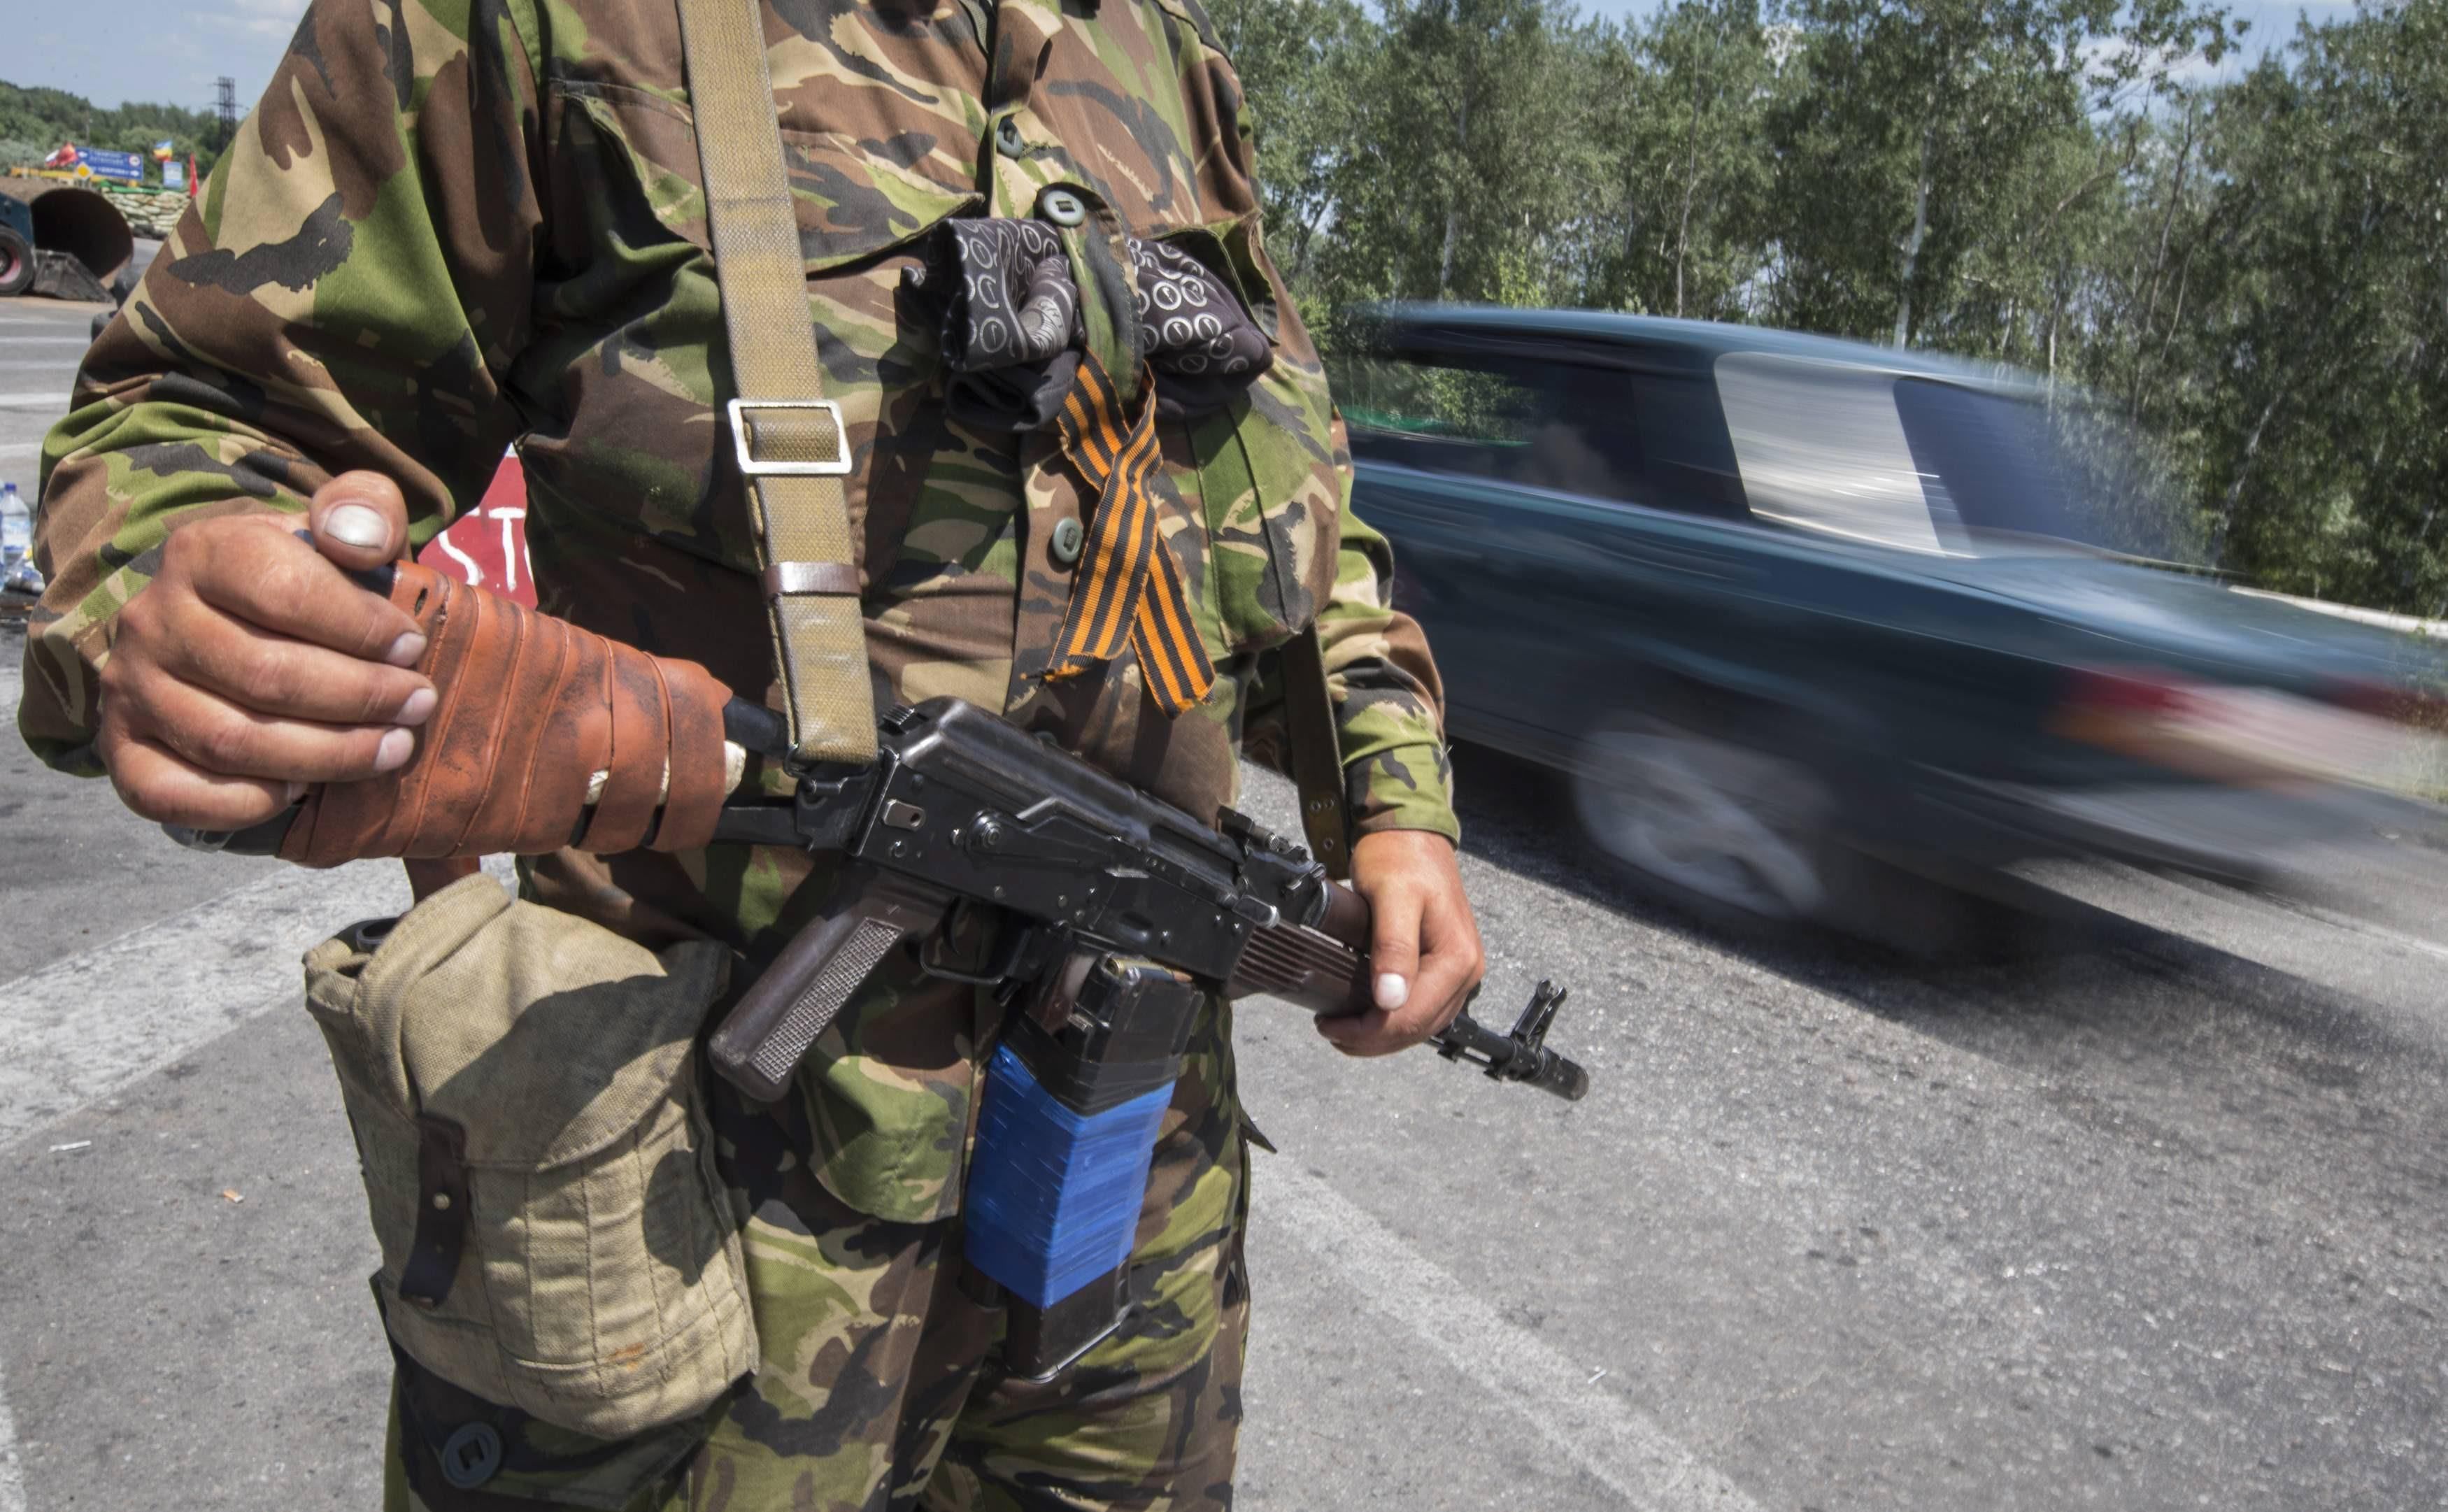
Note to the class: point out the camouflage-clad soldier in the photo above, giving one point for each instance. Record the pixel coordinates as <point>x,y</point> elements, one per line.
<point>449,227</point>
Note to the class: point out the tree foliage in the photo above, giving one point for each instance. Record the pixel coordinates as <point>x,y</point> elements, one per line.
<point>34,122</point>
<point>2250,266</point>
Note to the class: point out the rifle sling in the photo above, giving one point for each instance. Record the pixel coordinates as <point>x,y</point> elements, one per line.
<point>793,448</point>
<point>1317,756</point>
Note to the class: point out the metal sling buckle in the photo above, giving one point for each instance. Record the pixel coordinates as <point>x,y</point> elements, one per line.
<point>836,466</point>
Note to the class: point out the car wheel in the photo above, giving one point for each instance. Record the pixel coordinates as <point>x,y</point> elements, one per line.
<point>1714,826</point>
<point>16,263</point>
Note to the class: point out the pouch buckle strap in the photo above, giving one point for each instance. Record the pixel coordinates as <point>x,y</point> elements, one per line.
<point>441,1212</point>
<point>791,435</point>
<point>789,579</point>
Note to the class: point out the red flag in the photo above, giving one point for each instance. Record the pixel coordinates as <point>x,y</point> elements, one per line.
<point>65,158</point>
<point>191,175</point>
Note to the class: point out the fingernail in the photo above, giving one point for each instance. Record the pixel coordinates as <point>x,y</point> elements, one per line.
<point>1392,991</point>
<point>296,794</point>
<point>419,704</point>
<point>397,746</point>
<point>406,651</point>
<point>355,525</point>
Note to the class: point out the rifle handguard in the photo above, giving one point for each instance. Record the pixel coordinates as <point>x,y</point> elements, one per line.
<point>536,717</point>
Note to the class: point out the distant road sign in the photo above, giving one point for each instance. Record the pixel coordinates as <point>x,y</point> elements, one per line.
<point>124,166</point>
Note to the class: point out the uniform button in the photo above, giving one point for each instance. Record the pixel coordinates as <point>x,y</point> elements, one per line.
<point>1063,207</point>
<point>1068,539</point>
<point>471,1456</point>
<point>1007,139</point>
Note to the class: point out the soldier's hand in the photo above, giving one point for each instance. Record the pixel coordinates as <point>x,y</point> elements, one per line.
<point>1426,949</point>
<point>250,666</point>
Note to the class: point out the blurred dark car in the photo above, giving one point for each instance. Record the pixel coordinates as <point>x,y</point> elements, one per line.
<point>1800,619</point>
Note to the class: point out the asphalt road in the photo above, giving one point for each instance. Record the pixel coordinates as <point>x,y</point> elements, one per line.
<point>2152,1217</point>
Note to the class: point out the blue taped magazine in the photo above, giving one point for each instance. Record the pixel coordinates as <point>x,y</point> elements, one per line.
<point>1054,1195</point>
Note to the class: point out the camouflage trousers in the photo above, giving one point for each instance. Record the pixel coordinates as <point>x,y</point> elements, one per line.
<point>881,1388</point>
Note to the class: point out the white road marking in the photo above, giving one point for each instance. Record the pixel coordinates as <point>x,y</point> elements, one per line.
<point>2380,932</point>
<point>13,1478</point>
<point>50,398</point>
<point>12,451</point>
<point>1594,1429</point>
<point>81,1028</point>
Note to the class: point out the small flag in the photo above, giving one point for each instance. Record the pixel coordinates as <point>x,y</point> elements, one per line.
<point>66,158</point>
<point>163,151</point>
<point>191,175</point>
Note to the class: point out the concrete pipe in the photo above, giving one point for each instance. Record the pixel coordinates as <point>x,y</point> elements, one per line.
<point>79,222</point>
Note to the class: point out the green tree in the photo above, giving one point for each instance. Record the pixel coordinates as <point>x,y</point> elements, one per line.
<point>1302,63</point>
<point>1685,118</point>
<point>2322,382</point>
<point>1925,129</point>
<point>1474,153</point>
<point>34,122</point>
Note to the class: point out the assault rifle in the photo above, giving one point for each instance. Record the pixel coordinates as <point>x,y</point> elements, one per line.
<point>962,810</point>
<point>1110,910</point>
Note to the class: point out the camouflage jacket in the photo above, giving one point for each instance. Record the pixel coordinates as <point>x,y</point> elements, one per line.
<point>449,227</point>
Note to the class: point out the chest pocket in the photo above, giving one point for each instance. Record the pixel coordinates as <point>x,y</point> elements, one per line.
<point>622,391</point>
<point>1264,470</point>
<point>856,199</point>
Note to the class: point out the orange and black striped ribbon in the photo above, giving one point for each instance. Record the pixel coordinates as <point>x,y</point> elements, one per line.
<point>1129,585</point>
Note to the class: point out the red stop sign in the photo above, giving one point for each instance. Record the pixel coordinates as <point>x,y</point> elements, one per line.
<point>487,547</point>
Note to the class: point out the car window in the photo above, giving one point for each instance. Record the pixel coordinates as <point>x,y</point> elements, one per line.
<point>1688,459</point>
<point>2019,472</point>
<point>1940,464</point>
<point>1540,425</point>
<point>1460,419</point>
<point>1822,447</point>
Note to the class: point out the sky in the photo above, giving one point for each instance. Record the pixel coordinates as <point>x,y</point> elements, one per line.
<point>173,49</point>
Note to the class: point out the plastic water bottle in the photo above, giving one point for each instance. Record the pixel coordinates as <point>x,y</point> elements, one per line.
<point>17,527</point>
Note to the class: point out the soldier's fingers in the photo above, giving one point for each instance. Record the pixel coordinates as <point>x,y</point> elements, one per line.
<point>222,738</point>
<point>275,674</point>
<point>1447,960</point>
<point>1363,1034</point>
<point>1450,966</point>
<point>274,581</point>
<point>1394,942</point>
<point>1446,976</point>
<point>160,785</point>
<point>359,520</point>
<point>1436,998</point>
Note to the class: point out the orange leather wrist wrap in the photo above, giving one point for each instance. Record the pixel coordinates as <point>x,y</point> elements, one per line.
<point>532,710</point>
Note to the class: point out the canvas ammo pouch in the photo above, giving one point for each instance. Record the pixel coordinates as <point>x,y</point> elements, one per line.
<point>523,1089</point>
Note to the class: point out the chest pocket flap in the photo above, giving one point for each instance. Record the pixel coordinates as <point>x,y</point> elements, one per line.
<point>1268,470</point>
<point>855,197</point>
